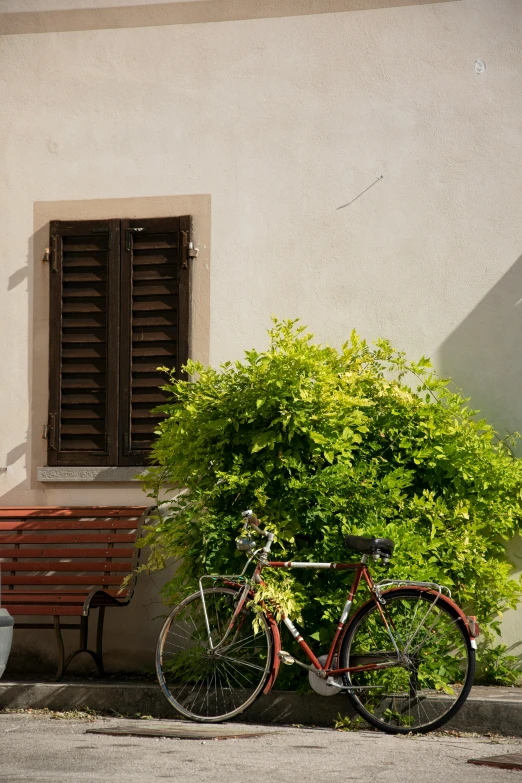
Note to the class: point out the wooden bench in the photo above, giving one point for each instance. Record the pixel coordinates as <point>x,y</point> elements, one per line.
<point>62,562</point>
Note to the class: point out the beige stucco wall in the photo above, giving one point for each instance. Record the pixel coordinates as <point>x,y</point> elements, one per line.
<point>265,119</point>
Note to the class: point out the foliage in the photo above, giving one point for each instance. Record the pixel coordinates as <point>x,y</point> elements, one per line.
<point>322,442</point>
<point>345,723</point>
<point>498,666</point>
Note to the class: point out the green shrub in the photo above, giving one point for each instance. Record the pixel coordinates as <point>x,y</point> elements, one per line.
<point>322,442</point>
<point>497,665</point>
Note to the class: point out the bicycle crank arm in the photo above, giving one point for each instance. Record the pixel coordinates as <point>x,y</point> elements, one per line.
<point>285,657</point>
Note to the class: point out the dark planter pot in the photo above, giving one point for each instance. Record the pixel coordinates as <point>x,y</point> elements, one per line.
<point>6,637</point>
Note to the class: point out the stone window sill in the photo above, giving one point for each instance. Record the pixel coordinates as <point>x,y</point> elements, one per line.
<point>102,474</point>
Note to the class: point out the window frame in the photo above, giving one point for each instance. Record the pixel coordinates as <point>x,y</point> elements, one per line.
<point>118,343</point>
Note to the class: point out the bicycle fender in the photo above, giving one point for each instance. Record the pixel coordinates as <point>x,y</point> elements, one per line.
<point>275,636</point>
<point>275,657</point>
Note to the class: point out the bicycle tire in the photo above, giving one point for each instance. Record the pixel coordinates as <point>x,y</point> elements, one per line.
<point>236,681</point>
<point>381,716</point>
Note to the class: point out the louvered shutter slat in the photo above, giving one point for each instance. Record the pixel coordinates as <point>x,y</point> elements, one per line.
<point>153,329</point>
<point>84,326</point>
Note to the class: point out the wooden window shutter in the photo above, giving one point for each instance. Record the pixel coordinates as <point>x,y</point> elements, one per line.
<point>155,300</point>
<point>84,343</point>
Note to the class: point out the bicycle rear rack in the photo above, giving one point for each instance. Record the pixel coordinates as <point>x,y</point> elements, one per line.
<point>384,583</point>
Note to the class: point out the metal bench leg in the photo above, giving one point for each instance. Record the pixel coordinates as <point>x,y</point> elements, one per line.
<point>61,651</point>
<point>84,632</point>
<point>99,641</point>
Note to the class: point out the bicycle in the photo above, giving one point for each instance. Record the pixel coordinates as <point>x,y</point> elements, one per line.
<point>406,659</point>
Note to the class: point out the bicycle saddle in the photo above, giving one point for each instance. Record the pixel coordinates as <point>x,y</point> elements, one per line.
<point>368,546</point>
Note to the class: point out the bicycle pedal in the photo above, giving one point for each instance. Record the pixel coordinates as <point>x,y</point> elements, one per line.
<point>285,657</point>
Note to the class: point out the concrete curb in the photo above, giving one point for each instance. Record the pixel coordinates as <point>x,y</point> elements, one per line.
<point>497,710</point>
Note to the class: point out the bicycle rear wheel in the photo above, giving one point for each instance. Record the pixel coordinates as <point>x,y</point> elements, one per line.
<point>210,683</point>
<point>423,683</point>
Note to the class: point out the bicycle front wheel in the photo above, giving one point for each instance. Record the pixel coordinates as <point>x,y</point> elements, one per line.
<point>208,679</point>
<point>424,659</point>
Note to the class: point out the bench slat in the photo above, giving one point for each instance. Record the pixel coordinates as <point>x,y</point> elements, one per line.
<point>52,552</point>
<point>46,610</point>
<point>87,538</point>
<point>64,579</point>
<point>102,524</point>
<point>60,565</point>
<point>50,512</point>
<point>66,596</point>
<point>74,599</point>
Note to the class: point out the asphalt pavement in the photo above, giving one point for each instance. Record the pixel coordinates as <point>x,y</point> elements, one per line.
<point>36,747</point>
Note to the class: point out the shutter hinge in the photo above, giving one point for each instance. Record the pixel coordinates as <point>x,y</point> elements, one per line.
<point>128,236</point>
<point>187,249</point>
<point>49,431</point>
<point>50,254</point>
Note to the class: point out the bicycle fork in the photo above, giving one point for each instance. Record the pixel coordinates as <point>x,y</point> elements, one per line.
<point>232,623</point>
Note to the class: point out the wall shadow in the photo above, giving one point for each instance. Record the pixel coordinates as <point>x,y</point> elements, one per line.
<point>484,354</point>
<point>18,277</point>
<point>34,447</point>
<point>188,12</point>
<point>15,454</point>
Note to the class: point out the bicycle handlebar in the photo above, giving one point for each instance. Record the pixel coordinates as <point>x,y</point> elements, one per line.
<point>252,521</point>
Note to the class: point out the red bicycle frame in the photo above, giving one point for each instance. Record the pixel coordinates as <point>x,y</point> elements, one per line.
<point>361,572</point>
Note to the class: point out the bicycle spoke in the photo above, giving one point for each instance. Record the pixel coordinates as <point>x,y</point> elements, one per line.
<point>440,638</point>
<point>235,673</point>
<point>222,691</point>
<point>416,631</point>
<point>243,663</point>
<point>241,643</point>
<point>201,680</point>
<point>231,691</point>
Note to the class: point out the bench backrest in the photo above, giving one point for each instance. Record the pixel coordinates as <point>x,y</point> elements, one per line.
<point>74,549</point>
